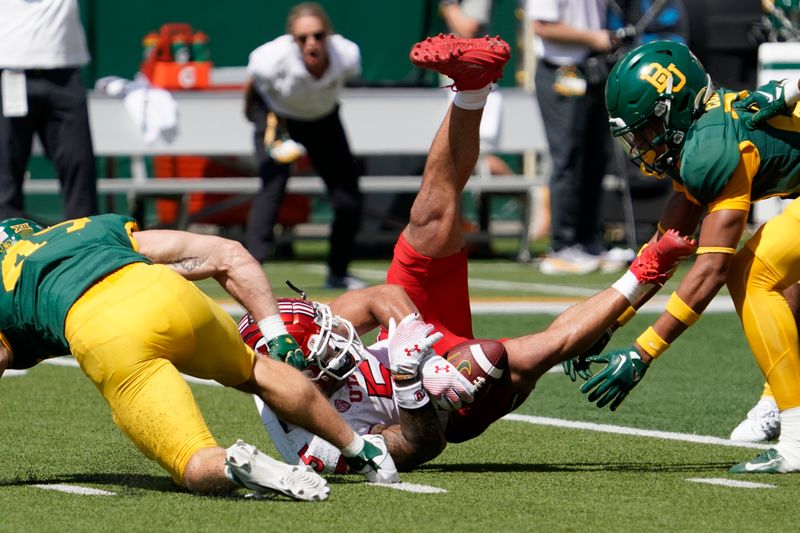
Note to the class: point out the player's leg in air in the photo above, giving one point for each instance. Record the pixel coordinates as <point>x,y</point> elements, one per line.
<point>430,259</point>
<point>759,276</point>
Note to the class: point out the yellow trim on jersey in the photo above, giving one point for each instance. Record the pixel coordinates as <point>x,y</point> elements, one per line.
<point>677,187</point>
<point>4,342</point>
<point>715,250</point>
<point>626,316</point>
<point>736,194</point>
<point>661,229</point>
<point>681,310</point>
<point>130,227</point>
<point>652,343</point>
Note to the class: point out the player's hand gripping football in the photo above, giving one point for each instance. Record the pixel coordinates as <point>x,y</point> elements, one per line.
<point>448,388</point>
<point>771,99</point>
<point>410,344</point>
<point>624,370</point>
<point>285,348</point>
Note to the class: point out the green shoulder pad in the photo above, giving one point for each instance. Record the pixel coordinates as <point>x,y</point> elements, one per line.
<point>710,155</point>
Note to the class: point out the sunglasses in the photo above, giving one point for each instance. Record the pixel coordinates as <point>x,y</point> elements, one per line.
<point>318,36</point>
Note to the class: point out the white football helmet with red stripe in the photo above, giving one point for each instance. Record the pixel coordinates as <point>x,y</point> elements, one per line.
<point>330,342</point>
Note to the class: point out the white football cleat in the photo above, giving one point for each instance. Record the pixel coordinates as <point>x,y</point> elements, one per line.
<point>763,423</point>
<point>252,469</point>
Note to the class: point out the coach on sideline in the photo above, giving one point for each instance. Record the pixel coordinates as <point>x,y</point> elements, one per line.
<point>299,76</point>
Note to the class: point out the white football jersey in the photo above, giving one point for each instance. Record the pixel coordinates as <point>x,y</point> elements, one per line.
<point>366,399</point>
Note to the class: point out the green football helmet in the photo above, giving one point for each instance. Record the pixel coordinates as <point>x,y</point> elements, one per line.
<point>653,94</point>
<point>16,229</point>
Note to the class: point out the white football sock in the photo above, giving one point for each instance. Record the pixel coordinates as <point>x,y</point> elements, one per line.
<point>472,100</point>
<point>355,446</point>
<point>789,445</point>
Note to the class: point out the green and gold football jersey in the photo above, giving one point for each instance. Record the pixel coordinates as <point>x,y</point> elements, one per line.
<point>44,274</point>
<point>712,147</point>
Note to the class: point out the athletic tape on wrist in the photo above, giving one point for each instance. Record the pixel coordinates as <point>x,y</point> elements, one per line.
<point>681,310</point>
<point>715,250</point>
<point>652,343</point>
<point>626,316</point>
<point>411,396</point>
<point>791,92</point>
<point>272,326</point>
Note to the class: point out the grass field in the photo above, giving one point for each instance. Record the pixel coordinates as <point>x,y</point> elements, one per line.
<point>518,476</point>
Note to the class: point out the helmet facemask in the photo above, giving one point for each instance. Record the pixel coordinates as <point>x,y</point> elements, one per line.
<point>337,349</point>
<point>651,143</point>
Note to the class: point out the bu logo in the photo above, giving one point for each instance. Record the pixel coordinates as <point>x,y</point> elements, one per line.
<point>661,78</point>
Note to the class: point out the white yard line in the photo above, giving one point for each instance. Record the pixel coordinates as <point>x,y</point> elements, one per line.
<point>410,487</point>
<point>730,483</point>
<point>720,304</point>
<point>73,489</point>
<point>622,430</point>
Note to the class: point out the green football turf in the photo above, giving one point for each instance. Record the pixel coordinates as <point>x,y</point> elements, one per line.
<point>56,428</point>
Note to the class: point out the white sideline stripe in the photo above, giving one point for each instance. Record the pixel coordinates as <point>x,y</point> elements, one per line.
<point>484,363</point>
<point>410,487</point>
<point>70,361</point>
<point>622,430</point>
<point>730,483</point>
<point>72,489</point>
<point>720,304</point>
<point>10,373</point>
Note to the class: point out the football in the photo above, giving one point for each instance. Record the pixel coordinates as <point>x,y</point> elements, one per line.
<point>480,360</point>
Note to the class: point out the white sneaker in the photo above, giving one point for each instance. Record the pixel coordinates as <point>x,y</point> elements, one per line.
<point>570,260</point>
<point>763,422</point>
<point>249,468</point>
<point>616,259</point>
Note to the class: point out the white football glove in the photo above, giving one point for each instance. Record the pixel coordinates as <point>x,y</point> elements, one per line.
<point>447,387</point>
<point>410,343</point>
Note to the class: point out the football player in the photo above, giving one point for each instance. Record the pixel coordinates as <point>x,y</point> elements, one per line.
<point>120,301</point>
<point>723,150</point>
<point>389,395</point>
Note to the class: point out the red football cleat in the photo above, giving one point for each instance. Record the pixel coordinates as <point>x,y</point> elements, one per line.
<point>471,63</point>
<point>657,262</point>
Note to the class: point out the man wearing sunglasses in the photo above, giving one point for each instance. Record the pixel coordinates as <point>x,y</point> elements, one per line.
<point>292,96</point>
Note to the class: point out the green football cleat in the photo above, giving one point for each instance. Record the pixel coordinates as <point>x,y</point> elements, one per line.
<point>769,462</point>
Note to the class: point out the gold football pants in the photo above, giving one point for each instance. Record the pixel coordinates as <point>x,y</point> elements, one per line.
<point>133,332</point>
<point>761,271</point>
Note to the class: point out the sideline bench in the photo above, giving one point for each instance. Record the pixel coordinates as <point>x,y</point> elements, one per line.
<point>377,121</point>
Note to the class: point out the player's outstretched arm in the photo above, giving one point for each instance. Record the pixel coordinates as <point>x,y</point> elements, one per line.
<point>372,307</point>
<point>195,256</point>
<point>626,367</point>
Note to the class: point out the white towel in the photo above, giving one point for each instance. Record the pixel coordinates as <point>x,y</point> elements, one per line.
<point>153,110</point>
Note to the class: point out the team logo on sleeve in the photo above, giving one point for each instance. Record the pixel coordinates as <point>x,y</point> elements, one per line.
<point>663,78</point>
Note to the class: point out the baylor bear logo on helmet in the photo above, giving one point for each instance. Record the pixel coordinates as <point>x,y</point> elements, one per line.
<point>662,78</point>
